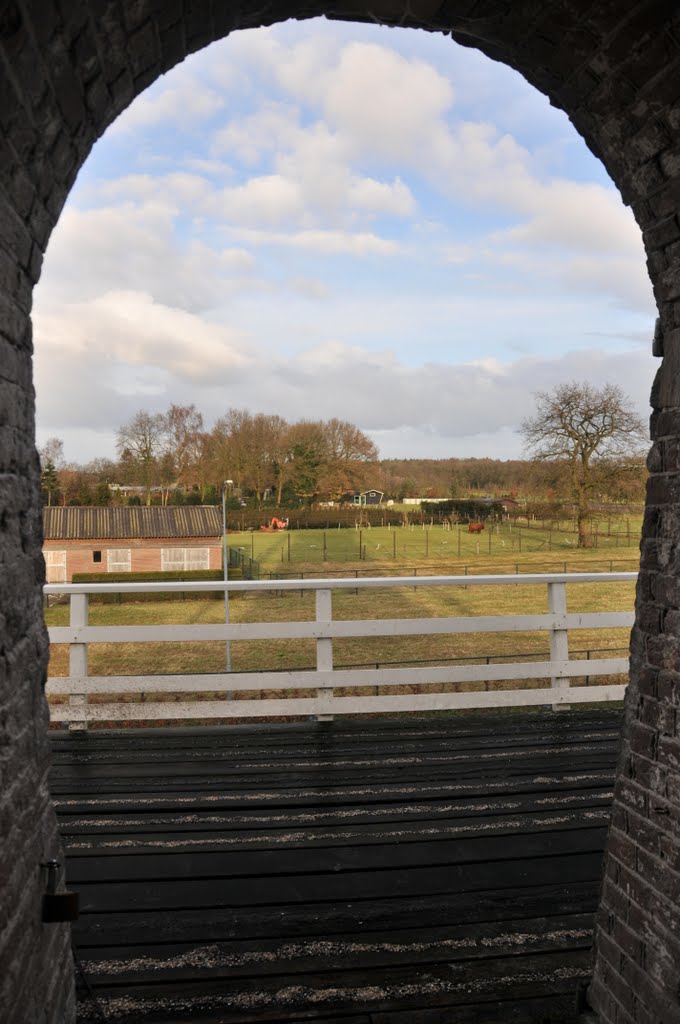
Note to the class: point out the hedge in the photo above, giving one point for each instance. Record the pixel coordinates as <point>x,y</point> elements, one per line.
<point>193,575</point>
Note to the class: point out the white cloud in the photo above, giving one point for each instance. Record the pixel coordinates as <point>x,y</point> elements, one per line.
<point>618,280</point>
<point>310,288</point>
<point>177,190</point>
<point>128,329</point>
<point>131,351</point>
<point>381,197</point>
<point>379,105</point>
<point>357,142</point>
<point>384,103</point>
<point>119,247</point>
<point>314,161</point>
<point>575,215</point>
<point>624,279</point>
<point>185,102</point>
<point>270,199</point>
<point>362,243</point>
<point>275,126</point>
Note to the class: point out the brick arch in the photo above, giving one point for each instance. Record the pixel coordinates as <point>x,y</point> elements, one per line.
<point>67,69</point>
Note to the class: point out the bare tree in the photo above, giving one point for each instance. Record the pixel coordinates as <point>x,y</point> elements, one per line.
<point>140,445</point>
<point>589,431</point>
<point>53,452</point>
<point>306,457</point>
<point>229,443</point>
<point>51,463</point>
<point>266,441</point>
<point>349,459</point>
<point>183,429</point>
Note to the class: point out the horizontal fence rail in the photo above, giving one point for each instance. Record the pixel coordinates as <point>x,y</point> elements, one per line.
<point>323,680</point>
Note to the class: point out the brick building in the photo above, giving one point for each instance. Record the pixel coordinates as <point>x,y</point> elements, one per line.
<point>141,539</point>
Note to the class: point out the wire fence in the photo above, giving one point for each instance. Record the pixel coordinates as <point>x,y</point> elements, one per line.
<point>250,567</point>
<point>456,569</point>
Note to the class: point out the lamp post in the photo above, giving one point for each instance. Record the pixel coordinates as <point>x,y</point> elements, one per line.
<point>225,560</point>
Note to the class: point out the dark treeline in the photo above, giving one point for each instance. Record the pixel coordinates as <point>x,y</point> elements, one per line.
<point>452,478</point>
<point>619,480</point>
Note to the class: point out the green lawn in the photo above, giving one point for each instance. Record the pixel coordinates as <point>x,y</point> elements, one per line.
<point>400,551</point>
<point>502,547</point>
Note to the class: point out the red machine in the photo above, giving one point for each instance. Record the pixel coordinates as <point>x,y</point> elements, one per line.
<point>275,524</point>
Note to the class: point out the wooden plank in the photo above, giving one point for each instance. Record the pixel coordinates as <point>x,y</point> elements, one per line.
<point>357,870</point>
<point>335,764</point>
<point>347,628</point>
<point>423,815</point>
<point>321,758</point>
<point>239,958</point>
<point>256,999</point>
<point>332,796</point>
<point>174,761</point>
<point>186,924</point>
<point>364,765</point>
<point>349,857</point>
<point>301,791</point>
<point>414,805</point>
<point>331,736</point>
<point>122,845</point>
<point>351,678</point>
<point>175,768</point>
<point>331,886</point>
<point>473,727</point>
<point>335,628</point>
<point>554,1008</point>
<point>440,701</point>
<point>325,781</point>
<point>361,583</point>
<point>230,750</point>
<point>480,724</point>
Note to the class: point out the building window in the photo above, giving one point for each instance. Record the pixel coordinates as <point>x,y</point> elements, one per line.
<point>118,560</point>
<point>96,556</point>
<point>184,559</point>
<point>55,564</point>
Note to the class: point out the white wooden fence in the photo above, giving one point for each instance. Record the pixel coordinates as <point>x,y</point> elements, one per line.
<point>322,681</point>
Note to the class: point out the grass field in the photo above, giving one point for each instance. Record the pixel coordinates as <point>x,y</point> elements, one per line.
<point>503,547</point>
<point>506,548</point>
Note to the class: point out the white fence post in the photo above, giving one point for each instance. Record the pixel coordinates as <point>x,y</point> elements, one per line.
<point>324,645</point>
<point>559,638</point>
<point>77,659</point>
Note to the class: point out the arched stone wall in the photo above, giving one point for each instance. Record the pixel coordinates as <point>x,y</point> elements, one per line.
<point>67,69</point>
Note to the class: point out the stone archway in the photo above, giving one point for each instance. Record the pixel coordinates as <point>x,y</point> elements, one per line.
<point>67,69</point>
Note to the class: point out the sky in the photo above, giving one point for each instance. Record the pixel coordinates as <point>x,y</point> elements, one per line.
<point>332,220</point>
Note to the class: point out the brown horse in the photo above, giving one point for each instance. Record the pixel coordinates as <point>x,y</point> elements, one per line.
<point>475,527</point>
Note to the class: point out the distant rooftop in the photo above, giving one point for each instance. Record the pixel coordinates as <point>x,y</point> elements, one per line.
<point>90,522</point>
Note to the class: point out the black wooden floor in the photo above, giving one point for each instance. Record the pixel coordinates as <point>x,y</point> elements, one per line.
<point>415,871</point>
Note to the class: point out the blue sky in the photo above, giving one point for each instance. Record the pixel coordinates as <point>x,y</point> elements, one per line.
<point>323,219</point>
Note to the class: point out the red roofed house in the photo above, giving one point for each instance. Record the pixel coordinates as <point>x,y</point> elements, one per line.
<point>136,539</point>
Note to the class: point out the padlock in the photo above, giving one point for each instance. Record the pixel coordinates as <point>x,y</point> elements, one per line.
<point>57,906</point>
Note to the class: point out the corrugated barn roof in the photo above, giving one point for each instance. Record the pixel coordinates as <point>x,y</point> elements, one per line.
<point>94,523</point>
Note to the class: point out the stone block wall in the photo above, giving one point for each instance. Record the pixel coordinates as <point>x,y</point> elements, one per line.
<point>67,68</point>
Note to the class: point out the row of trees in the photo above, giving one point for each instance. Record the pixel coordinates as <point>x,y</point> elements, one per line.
<point>586,444</point>
<point>451,478</point>
<point>261,454</point>
<point>515,478</point>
